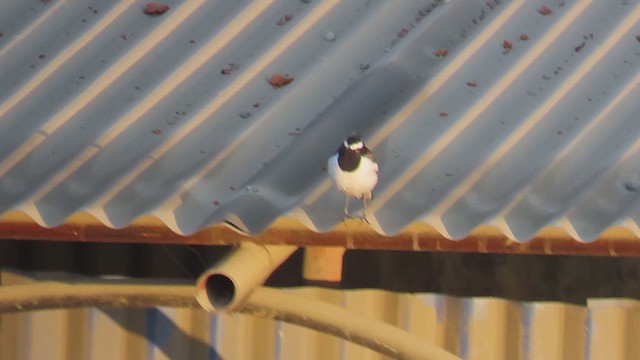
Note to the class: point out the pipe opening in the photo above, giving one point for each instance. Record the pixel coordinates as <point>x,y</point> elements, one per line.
<point>220,290</point>
<point>228,284</point>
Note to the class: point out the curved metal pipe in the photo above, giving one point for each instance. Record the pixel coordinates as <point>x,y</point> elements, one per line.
<point>337,321</point>
<point>264,302</point>
<point>226,286</point>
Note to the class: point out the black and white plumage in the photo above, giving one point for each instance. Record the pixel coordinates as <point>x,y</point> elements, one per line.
<point>354,170</point>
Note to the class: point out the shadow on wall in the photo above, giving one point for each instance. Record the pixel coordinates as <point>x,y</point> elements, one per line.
<point>161,331</point>
<point>572,279</point>
<point>158,261</point>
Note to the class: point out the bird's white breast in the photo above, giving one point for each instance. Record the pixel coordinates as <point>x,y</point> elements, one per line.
<point>358,183</point>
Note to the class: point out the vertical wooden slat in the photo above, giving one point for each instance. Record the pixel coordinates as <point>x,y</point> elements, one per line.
<point>77,333</point>
<point>435,318</point>
<point>494,330</point>
<point>554,333</point>
<point>374,304</point>
<point>480,328</point>
<point>615,329</point>
<point>299,343</point>
<point>117,334</point>
<point>231,333</point>
<point>199,328</point>
<point>262,331</point>
<point>245,337</point>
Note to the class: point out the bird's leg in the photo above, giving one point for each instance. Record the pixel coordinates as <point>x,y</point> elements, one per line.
<point>346,208</point>
<point>364,210</point>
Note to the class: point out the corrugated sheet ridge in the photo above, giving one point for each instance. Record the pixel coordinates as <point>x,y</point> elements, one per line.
<point>99,85</point>
<point>43,74</point>
<point>600,117</point>
<point>574,78</point>
<point>501,85</point>
<point>121,114</point>
<point>186,70</point>
<point>442,77</point>
<point>24,33</point>
<point>255,70</point>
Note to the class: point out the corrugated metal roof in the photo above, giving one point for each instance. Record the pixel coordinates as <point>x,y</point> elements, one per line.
<point>473,328</point>
<point>498,112</point>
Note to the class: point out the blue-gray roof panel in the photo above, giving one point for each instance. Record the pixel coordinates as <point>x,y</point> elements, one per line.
<point>478,112</point>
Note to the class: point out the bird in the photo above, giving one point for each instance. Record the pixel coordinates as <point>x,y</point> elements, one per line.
<point>354,170</point>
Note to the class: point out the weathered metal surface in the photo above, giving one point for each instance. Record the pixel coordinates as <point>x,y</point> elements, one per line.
<point>352,235</point>
<point>496,113</point>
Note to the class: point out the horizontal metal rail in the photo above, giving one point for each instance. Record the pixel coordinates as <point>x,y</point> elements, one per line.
<point>264,302</point>
<point>351,235</point>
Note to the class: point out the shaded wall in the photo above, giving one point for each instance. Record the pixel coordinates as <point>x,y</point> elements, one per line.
<point>518,277</point>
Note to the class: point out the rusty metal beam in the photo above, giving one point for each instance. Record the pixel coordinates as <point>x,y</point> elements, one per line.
<point>353,235</point>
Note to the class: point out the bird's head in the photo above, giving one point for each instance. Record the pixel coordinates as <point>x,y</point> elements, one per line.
<point>354,143</point>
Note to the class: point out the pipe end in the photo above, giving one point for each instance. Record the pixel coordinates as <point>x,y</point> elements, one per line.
<point>216,292</point>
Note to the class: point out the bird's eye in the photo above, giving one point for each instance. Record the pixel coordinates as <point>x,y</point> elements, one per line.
<point>357,146</point>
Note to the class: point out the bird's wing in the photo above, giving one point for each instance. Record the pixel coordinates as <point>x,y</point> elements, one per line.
<point>369,155</point>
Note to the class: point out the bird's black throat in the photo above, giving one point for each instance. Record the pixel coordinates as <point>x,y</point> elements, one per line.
<point>348,160</point>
